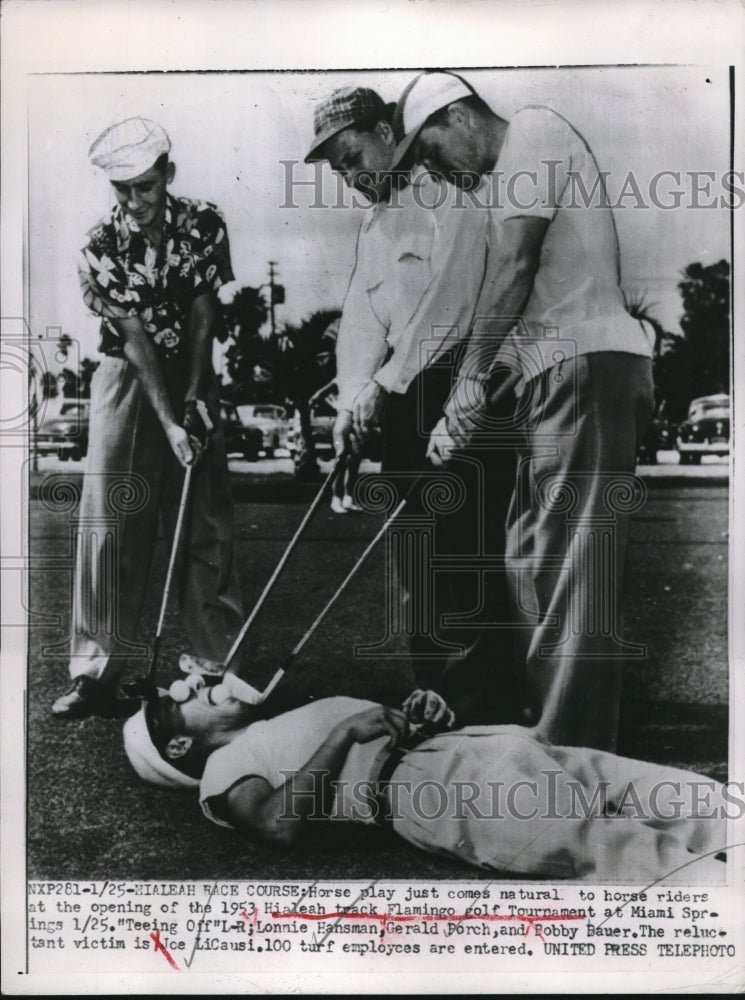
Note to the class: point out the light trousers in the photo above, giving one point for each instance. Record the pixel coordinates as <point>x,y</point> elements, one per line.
<point>132,478</point>
<point>503,799</point>
<point>567,533</point>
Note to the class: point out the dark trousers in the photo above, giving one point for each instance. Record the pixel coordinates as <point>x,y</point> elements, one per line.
<point>448,547</point>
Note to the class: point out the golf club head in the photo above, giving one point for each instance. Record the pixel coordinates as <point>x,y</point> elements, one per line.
<point>233,686</point>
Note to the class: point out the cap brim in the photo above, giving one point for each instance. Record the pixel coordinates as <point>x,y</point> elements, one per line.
<point>316,153</point>
<point>403,157</point>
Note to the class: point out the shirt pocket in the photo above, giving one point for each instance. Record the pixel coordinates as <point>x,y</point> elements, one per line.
<point>406,273</point>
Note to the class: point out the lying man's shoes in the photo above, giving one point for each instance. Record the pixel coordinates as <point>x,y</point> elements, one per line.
<point>87,696</point>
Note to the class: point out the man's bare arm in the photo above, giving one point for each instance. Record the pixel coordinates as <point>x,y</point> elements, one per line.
<point>204,316</point>
<point>140,352</point>
<point>280,815</point>
<point>511,269</point>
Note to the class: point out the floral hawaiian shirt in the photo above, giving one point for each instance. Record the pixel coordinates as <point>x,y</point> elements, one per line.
<point>123,275</point>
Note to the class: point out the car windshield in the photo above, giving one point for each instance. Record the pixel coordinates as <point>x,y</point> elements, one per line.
<point>265,411</point>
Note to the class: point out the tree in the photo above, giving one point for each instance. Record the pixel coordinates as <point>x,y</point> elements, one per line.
<point>48,385</point>
<point>87,367</point>
<point>244,317</point>
<point>670,365</point>
<point>287,367</point>
<point>299,360</point>
<point>705,325</point>
<point>68,382</point>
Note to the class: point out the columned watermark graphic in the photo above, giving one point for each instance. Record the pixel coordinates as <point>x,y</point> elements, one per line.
<point>592,564</point>
<point>95,538</point>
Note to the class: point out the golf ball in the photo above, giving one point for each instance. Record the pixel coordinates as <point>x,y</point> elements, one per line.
<point>220,694</point>
<point>180,691</point>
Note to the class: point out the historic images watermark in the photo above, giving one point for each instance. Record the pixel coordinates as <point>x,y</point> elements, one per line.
<point>522,191</point>
<point>549,794</point>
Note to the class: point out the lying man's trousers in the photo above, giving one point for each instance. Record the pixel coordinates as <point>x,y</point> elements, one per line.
<point>131,478</point>
<point>502,799</point>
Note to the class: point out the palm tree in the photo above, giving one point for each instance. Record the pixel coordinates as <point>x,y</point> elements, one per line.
<point>299,360</point>
<point>244,317</point>
<point>670,363</point>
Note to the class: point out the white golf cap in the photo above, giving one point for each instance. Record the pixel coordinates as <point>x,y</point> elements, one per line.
<point>129,148</point>
<point>145,759</point>
<point>426,94</point>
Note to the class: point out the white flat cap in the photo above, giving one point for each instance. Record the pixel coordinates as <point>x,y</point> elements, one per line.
<point>427,93</point>
<point>129,148</point>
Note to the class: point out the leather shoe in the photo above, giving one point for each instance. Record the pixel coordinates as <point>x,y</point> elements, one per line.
<point>86,697</point>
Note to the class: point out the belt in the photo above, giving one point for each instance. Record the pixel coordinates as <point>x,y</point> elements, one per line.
<point>385,774</point>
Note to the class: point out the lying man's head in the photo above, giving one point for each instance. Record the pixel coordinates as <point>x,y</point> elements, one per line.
<point>169,740</point>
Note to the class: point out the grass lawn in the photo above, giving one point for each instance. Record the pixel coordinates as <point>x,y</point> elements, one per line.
<point>91,818</point>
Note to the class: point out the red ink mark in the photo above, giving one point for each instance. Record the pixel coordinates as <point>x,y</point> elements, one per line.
<point>159,946</point>
<point>250,918</point>
<point>396,918</point>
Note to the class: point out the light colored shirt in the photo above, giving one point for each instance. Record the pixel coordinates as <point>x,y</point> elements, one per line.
<point>417,276</point>
<point>546,170</point>
<point>576,304</point>
<point>276,748</point>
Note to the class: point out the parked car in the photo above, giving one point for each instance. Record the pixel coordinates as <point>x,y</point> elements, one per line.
<point>271,419</point>
<point>658,437</point>
<point>66,434</point>
<point>322,419</point>
<point>239,439</point>
<point>705,431</point>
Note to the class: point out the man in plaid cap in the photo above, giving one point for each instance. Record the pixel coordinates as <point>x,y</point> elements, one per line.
<point>584,393</point>
<point>417,275</point>
<point>151,271</point>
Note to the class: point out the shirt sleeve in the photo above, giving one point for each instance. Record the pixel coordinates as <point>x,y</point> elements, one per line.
<point>361,341</point>
<point>212,266</point>
<point>103,280</point>
<point>229,765</point>
<point>532,171</point>
<point>445,310</point>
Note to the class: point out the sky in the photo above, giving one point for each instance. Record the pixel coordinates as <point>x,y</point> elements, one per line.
<point>230,133</point>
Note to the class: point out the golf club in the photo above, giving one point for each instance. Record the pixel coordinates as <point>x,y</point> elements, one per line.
<point>146,684</point>
<point>238,688</point>
<point>280,566</point>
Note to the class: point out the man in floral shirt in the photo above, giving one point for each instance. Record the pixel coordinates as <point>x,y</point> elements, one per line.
<point>151,271</point>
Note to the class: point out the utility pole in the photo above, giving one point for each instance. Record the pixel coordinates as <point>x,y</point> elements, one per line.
<point>276,294</point>
<point>272,265</point>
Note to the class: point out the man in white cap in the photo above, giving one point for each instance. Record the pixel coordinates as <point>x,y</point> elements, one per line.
<point>496,797</point>
<point>151,271</point>
<point>417,274</point>
<point>552,303</point>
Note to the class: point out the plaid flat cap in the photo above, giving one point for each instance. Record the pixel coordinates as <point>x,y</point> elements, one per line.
<point>346,106</point>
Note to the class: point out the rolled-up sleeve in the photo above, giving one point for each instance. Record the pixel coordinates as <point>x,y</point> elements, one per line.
<point>443,316</point>
<point>361,341</point>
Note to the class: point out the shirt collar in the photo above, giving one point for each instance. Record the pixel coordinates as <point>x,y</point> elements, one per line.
<point>126,226</point>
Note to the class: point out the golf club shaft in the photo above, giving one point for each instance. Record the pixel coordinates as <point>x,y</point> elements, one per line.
<point>280,565</point>
<point>325,610</point>
<point>171,564</point>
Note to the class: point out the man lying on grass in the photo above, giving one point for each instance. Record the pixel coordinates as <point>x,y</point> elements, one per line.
<point>498,797</point>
